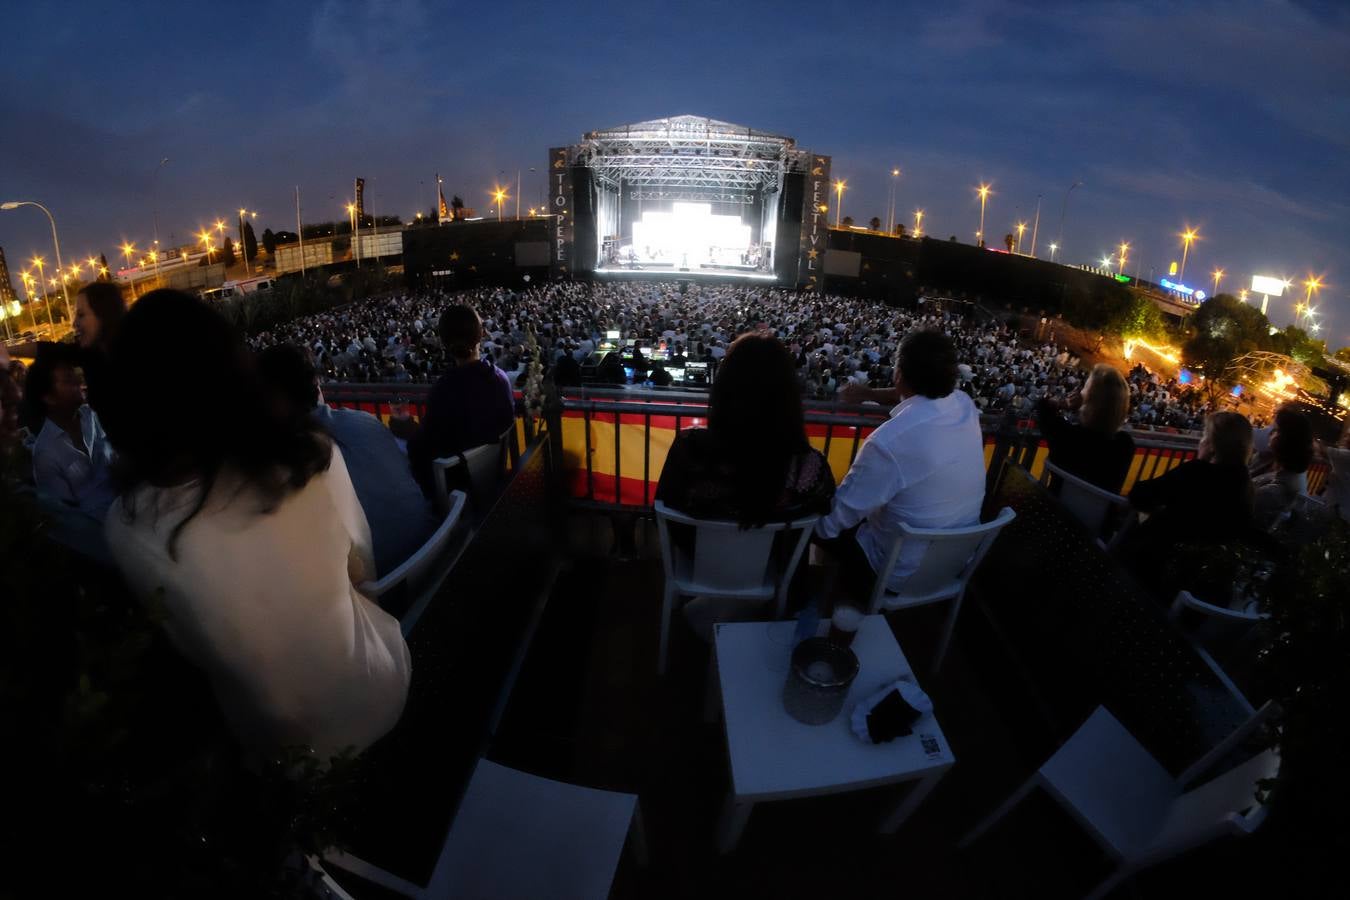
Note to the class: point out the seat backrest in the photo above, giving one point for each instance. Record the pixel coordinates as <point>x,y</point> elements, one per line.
<point>727,557</point>
<point>950,558</point>
<point>421,574</point>
<point>1226,804</point>
<point>485,467</point>
<point>1089,504</point>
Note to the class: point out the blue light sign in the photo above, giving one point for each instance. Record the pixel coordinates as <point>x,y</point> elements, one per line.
<point>1182,289</point>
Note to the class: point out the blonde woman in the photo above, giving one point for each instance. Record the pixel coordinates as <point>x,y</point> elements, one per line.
<point>1094,449</point>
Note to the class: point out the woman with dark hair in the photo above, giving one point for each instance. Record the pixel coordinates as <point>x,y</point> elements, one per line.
<point>752,463</point>
<point>244,527</point>
<point>1291,453</point>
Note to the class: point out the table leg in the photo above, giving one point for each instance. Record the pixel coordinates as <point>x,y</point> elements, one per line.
<point>734,816</point>
<point>712,700</point>
<point>911,802</point>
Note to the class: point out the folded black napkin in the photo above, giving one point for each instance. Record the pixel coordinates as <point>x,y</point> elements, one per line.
<point>891,718</point>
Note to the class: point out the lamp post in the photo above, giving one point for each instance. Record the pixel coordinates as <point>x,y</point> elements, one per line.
<point>1064,211</point>
<point>918,223</point>
<point>1021,229</point>
<point>983,191</point>
<point>1218,276</point>
<point>1187,237</point>
<point>499,195</point>
<point>1313,285</point>
<point>1036,226</point>
<point>890,209</point>
<point>46,297</point>
<point>356,247</point>
<point>1124,252</point>
<point>56,244</point>
<point>1053,248</point>
<point>840,186</point>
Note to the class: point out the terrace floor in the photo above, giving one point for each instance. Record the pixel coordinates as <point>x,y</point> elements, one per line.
<point>589,708</point>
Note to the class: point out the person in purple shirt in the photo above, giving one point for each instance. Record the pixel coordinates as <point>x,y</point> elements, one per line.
<point>471,404</point>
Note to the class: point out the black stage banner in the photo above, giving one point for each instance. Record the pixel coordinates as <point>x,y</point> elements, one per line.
<point>815,224</point>
<point>560,206</point>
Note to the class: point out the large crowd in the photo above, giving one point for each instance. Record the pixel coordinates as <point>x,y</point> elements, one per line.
<point>226,492</point>
<point>836,342</point>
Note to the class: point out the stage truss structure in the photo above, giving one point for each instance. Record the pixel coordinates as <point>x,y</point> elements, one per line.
<point>689,158</point>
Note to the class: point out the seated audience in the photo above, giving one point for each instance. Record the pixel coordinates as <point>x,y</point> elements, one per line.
<point>1338,482</point>
<point>245,530</point>
<point>400,518</point>
<point>1094,449</point>
<point>1207,499</point>
<point>752,463</point>
<point>1291,452</point>
<point>472,403</point>
<point>923,467</point>
<point>71,454</point>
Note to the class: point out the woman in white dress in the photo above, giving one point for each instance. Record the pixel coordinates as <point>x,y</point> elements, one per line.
<point>247,532</point>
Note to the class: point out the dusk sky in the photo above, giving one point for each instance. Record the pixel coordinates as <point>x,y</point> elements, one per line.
<point>1232,117</point>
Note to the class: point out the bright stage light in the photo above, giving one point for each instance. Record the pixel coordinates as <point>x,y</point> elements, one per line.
<point>689,235</point>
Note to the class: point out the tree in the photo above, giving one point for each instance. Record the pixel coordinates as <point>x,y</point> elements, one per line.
<point>456,208</point>
<point>1343,354</point>
<point>874,224</point>
<point>227,252</point>
<point>899,229</point>
<point>848,221</point>
<point>1140,320</point>
<point>1221,330</point>
<point>1297,343</point>
<point>105,271</point>
<point>1009,241</point>
<point>269,242</point>
<point>250,242</point>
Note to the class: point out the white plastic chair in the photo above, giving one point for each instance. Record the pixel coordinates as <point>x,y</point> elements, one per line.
<point>729,563</point>
<point>949,560</point>
<point>1133,807</point>
<point>486,467</point>
<point>1090,504</point>
<point>422,573</point>
<point>1236,627</point>
<point>517,836</point>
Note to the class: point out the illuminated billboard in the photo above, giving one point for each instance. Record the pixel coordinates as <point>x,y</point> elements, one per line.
<point>1182,289</point>
<point>1265,284</point>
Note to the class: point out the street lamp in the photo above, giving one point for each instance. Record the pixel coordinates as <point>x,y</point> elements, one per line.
<point>15,204</point>
<point>890,210</point>
<point>983,191</point>
<point>918,223</point>
<point>1106,263</point>
<point>1124,251</point>
<point>1021,229</point>
<point>840,186</point>
<point>243,248</point>
<point>1313,285</point>
<point>1217,275</point>
<point>1053,248</point>
<point>40,262</point>
<point>499,194</point>
<point>1187,237</point>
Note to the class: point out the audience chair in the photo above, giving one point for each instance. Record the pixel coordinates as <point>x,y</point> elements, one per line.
<point>729,563</point>
<point>517,836</point>
<point>1090,504</point>
<point>1131,805</point>
<point>950,558</point>
<point>1225,631</point>
<point>421,574</point>
<point>486,468</point>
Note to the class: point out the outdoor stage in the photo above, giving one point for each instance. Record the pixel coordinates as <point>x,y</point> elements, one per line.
<point>668,272</point>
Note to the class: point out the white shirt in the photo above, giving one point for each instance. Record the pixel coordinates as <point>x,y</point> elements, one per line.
<point>266,604</point>
<point>924,467</point>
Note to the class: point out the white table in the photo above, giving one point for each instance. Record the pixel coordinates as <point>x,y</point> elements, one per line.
<point>775,757</point>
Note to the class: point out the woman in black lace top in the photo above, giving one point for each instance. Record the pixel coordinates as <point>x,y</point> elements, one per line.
<point>752,463</point>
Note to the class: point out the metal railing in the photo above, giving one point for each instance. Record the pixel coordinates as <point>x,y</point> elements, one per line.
<point>611,443</point>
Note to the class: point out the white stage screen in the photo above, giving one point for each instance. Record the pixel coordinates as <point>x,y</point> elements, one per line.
<point>690,234</point>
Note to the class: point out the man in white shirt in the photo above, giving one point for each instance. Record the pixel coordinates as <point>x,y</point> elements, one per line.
<point>923,467</point>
